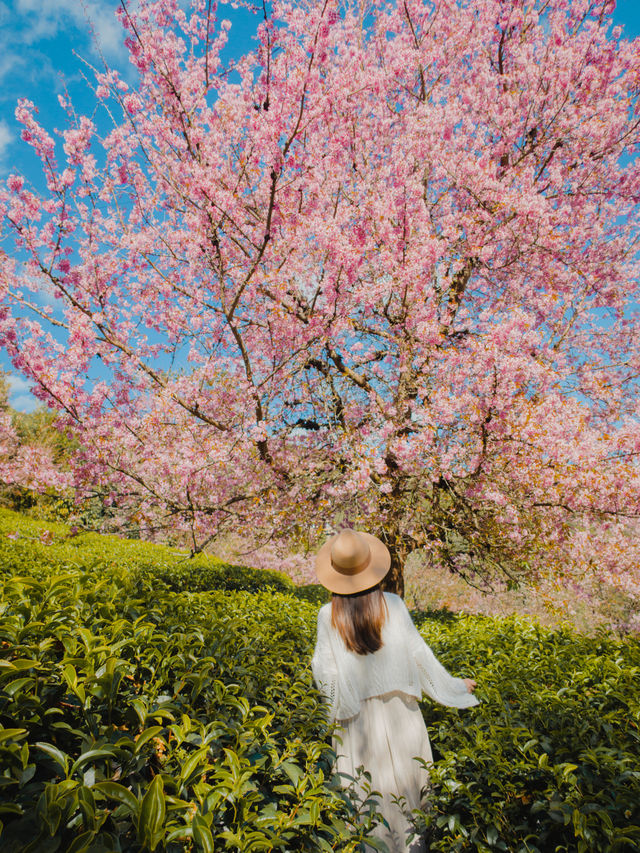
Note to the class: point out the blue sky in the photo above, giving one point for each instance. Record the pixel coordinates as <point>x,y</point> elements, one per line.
<point>44,45</point>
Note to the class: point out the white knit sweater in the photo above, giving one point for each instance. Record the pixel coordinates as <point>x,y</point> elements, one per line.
<point>404,662</point>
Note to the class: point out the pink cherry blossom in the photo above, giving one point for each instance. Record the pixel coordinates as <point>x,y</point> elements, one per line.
<point>28,466</point>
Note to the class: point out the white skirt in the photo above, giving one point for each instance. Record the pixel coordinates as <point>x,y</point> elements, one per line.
<point>385,738</point>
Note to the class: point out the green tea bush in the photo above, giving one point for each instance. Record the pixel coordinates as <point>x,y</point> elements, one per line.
<point>550,761</point>
<point>198,575</point>
<point>134,717</point>
<point>143,708</point>
<point>314,593</point>
<point>37,548</point>
<point>140,725</point>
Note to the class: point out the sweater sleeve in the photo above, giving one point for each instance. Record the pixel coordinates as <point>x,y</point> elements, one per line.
<point>323,664</point>
<point>435,681</point>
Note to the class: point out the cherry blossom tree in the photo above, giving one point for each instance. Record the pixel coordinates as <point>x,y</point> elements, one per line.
<point>380,271</point>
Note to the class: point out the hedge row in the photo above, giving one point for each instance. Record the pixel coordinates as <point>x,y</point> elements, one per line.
<point>550,761</point>
<point>42,548</point>
<point>132,718</point>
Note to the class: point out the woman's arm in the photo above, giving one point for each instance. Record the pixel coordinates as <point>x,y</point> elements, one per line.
<point>323,664</point>
<point>435,680</point>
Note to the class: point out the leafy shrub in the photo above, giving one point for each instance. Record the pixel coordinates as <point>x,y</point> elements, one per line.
<point>549,760</point>
<point>37,548</point>
<point>313,592</point>
<point>199,575</point>
<point>137,714</point>
<point>153,723</point>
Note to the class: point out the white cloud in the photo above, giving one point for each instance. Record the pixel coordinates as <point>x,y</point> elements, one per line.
<point>44,18</point>
<point>24,403</point>
<point>108,31</point>
<point>20,396</point>
<point>39,285</point>
<point>96,18</point>
<point>45,296</point>
<point>6,138</point>
<point>18,384</point>
<point>10,62</point>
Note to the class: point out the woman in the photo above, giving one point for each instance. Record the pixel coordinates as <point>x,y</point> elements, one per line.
<point>373,666</point>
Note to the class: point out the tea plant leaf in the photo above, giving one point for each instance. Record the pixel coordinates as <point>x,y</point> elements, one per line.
<point>152,814</point>
<point>146,736</point>
<point>206,698</point>
<point>192,764</point>
<point>11,734</point>
<point>18,685</point>
<point>293,771</point>
<point>60,757</point>
<point>114,791</point>
<point>202,834</point>
<point>82,843</point>
<point>92,755</point>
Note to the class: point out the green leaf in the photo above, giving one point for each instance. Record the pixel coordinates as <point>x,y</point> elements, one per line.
<point>492,835</point>
<point>48,809</point>
<point>146,736</point>
<point>140,708</point>
<point>11,808</point>
<point>81,843</point>
<point>24,663</point>
<point>16,734</point>
<point>87,805</point>
<point>17,685</point>
<point>293,771</point>
<point>60,757</point>
<point>194,760</point>
<point>202,833</point>
<point>114,791</point>
<point>70,675</point>
<point>152,814</point>
<point>92,755</point>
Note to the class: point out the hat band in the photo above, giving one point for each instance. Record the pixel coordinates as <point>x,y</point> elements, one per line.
<point>352,570</point>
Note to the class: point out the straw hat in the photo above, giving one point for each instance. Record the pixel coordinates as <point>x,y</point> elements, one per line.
<point>351,562</point>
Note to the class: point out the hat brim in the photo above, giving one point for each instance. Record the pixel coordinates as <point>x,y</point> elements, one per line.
<point>376,569</point>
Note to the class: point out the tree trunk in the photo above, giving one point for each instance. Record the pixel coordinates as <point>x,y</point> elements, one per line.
<point>394,581</point>
<point>398,548</point>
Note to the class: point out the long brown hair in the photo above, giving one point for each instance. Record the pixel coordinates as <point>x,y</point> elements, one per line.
<point>359,619</point>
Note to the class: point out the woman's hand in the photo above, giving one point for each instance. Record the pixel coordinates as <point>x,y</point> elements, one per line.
<point>471,684</point>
